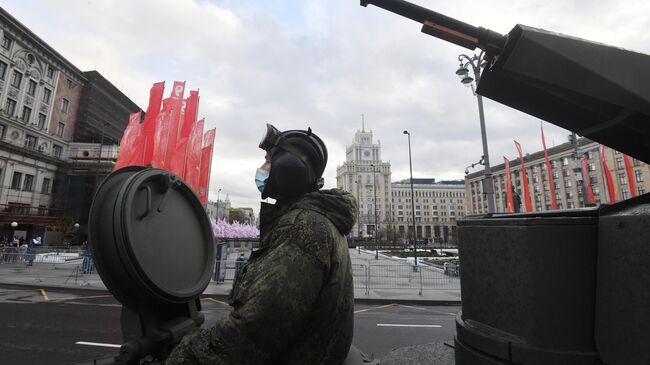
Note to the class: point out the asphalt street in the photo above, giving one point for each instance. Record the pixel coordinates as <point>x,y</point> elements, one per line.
<point>63,326</point>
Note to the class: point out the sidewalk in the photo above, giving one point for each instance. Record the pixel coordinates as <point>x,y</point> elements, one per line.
<point>68,276</point>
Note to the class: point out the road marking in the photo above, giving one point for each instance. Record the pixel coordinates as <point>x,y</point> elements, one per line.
<point>97,344</point>
<point>408,325</point>
<point>373,308</point>
<point>216,301</point>
<point>44,294</point>
<point>88,297</point>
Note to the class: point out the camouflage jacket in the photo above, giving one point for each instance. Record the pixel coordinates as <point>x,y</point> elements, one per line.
<point>293,301</point>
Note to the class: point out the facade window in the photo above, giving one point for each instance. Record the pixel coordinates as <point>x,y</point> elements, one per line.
<point>619,163</point>
<point>41,120</point>
<point>60,128</point>
<point>635,162</point>
<point>15,181</point>
<point>591,166</point>
<point>565,161</point>
<point>621,179</point>
<point>638,176</point>
<point>57,151</point>
<point>595,189</point>
<point>569,195</point>
<point>10,107</point>
<point>6,43</point>
<point>27,114</point>
<point>47,94</point>
<point>593,179</point>
<point>3,131</point>
<point>16,79</point>
<point>625,194</point>
<point>567,183</point>
<point>31,88</point>
<point>65,104</point>
<point>566,173</point>
<point>28,183</point>
<point>3,70</point>
<point>69,84</point>
<point>50,71</point>
<point>45,188</point>
<point>30,142</point>
<point>641,190</point>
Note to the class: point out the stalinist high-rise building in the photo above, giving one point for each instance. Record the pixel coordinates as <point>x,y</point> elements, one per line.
<point>368,178</point>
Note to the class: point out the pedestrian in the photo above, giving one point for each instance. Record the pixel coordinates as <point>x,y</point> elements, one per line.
<point>31,253</point>
<point>293,300</point>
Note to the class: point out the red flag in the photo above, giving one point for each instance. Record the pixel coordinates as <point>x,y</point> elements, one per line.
<point>127,144</point>
<point>206,164</point>
<point>510,203</point>
<point>175,105</point>
<point>193,164</point>
<point>585,179</point>
<point>161,136</point>
<point>529,205</point>
<point>188,118</point>
<point>608,176</point>
<point>149,123</point>
<point>550,173</point>
<point>630,177</point>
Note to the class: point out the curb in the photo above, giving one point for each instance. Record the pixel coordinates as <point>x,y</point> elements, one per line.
<point>224,297</point>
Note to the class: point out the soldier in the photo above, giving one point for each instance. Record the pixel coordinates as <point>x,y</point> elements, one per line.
<point>293,300</point>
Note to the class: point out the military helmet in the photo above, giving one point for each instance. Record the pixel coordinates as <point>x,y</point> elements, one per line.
<point>298,160</point>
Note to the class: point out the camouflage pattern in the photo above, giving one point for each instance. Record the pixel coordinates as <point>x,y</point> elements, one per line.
<point>293,301</point>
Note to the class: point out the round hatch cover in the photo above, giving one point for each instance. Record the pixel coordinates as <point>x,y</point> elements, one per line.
<point>150,237</point>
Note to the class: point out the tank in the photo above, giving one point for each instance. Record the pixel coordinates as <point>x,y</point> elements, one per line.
<point>581,298</point>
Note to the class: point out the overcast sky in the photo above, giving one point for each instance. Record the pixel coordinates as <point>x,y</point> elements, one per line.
<point>320,63</point>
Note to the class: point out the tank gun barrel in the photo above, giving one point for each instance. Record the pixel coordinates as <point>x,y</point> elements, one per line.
<point>444,27</point>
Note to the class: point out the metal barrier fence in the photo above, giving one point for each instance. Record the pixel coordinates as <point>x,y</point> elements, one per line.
<point>369,276</point>
<point>71,268</point>
<point>74,268</point>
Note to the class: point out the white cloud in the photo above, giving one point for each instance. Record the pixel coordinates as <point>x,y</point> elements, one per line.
<point>319,63</point>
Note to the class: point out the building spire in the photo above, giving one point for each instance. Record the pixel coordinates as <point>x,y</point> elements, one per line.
<point>363,123</point>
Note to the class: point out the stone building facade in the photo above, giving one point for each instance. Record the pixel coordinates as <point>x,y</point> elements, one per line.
<point>368,178</point>
<point>567,179</point>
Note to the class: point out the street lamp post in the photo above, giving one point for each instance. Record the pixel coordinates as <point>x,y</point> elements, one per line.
<point>99,158</point>
<point>14,224</point>
<point>358,215</point>
<point>415,239</point>
<point>476,63</point>
<point>374,191</point>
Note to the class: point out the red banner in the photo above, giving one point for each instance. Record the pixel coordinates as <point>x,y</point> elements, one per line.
<point>161,136</point>
<point>206,164</point>
<point>630,175</point>
<point>524,178</point>
<point>175,106</point>
<point>188,118</point>
<point>149,123</point>
<point>608,177</point>
<point>128,148</point>
<point>551,186</point>
<point>585,180</point>
<point>510,203</point>
<point>193,164</point>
